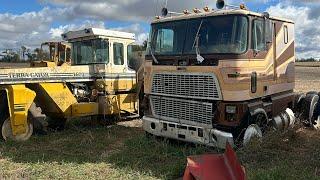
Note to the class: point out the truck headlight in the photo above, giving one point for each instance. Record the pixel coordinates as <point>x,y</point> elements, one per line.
<point>231,109</point>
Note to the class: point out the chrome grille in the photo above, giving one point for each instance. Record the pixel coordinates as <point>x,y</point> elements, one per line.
<point>182,111</point>
<point>190,85</point>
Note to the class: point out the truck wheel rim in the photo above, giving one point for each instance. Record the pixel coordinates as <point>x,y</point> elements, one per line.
<point>316,123</point>
<point>6,132</point>
<point>252,131</point>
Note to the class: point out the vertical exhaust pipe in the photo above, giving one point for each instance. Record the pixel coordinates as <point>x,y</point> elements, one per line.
<point>220,4</point>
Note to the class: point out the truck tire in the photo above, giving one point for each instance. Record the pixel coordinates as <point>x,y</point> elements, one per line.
<point>310,112</point>
<point>298,104</point>
<point>253,125</point>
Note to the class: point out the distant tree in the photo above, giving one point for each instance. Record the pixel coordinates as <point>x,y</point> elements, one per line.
<point>41,54</point>
<point>145,44</point>
<point>24,50</point>
<point>11,57</point>
<point>30,56</point>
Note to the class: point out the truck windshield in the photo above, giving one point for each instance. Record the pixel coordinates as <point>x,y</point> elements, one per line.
<point>217,35</point>
<point>94,51</point>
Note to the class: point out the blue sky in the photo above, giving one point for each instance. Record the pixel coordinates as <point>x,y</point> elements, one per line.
<point>29,22</point>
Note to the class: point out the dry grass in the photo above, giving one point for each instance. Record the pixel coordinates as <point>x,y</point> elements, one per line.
<point>293,154</point>
<point>88,151</point>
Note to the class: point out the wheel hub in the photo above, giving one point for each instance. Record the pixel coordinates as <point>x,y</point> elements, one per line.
<point>252,131</point>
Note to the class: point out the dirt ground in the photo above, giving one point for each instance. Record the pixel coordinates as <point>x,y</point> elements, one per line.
<point>307,79</point>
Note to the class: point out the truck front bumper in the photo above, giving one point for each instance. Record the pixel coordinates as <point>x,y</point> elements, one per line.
<point>206,136</point>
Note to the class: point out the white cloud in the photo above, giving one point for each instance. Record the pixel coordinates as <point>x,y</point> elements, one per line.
<point>127,10</point>
<point>307,29</point>
<point>32,28</point>
<point>136,28</point>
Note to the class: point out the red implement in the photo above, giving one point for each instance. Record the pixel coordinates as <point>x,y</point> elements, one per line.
<point>209,167</point>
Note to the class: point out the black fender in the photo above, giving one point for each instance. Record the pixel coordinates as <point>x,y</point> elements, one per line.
<point>262,124</point>
<point>258,111</point>
<point>298,104</point>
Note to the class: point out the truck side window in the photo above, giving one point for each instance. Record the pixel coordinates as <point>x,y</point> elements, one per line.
<point>286,36</point>
<point>118,54</point>
<point>165,40</point>
<point>258,37</point>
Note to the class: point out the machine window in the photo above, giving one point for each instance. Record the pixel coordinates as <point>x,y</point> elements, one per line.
<point>135,54</point>
<point>286,36</point>
<point>93,51</point>
<point>118,54</point>
<point>258,37</point>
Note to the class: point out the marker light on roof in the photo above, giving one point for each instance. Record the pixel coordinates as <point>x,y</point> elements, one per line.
<point>186,12</point>
<point>242,6</point>
<point>206,9</point>
<point>196,10</point>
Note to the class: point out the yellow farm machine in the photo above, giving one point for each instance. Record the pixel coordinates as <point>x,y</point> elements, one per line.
<point>89,77</point>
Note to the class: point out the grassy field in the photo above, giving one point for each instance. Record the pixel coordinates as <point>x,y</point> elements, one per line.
<point>89,151</point>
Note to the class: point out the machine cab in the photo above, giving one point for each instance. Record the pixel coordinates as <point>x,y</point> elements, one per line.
<point>100,47</point>
<point>53,54</point>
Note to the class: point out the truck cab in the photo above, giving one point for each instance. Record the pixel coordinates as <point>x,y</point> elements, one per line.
<point>213,76</point>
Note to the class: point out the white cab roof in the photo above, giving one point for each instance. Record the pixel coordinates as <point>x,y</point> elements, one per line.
<point>96,32</point>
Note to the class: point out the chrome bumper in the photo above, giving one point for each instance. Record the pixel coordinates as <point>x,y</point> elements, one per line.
<point>188,133</point>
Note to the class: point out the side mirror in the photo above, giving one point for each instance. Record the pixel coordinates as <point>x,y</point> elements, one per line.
<point>164,12</point>
<point>267,28</point>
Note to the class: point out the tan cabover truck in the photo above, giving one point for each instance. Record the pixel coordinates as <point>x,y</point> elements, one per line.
<point>213,76</point>
<point>97,83</point>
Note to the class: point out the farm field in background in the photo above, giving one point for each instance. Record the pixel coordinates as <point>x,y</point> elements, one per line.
<point>87,150</point>
<point>308,64</point>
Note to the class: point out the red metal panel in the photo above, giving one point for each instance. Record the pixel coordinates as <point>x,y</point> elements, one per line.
<point>212,166</point>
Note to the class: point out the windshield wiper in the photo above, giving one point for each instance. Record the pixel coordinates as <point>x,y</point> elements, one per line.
<point>153,57</point>
<point>151,50</point>
<point>200,59</point>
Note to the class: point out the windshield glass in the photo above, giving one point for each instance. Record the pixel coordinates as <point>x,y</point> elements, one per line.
<point>217,35</point>
<point>92,51</point>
